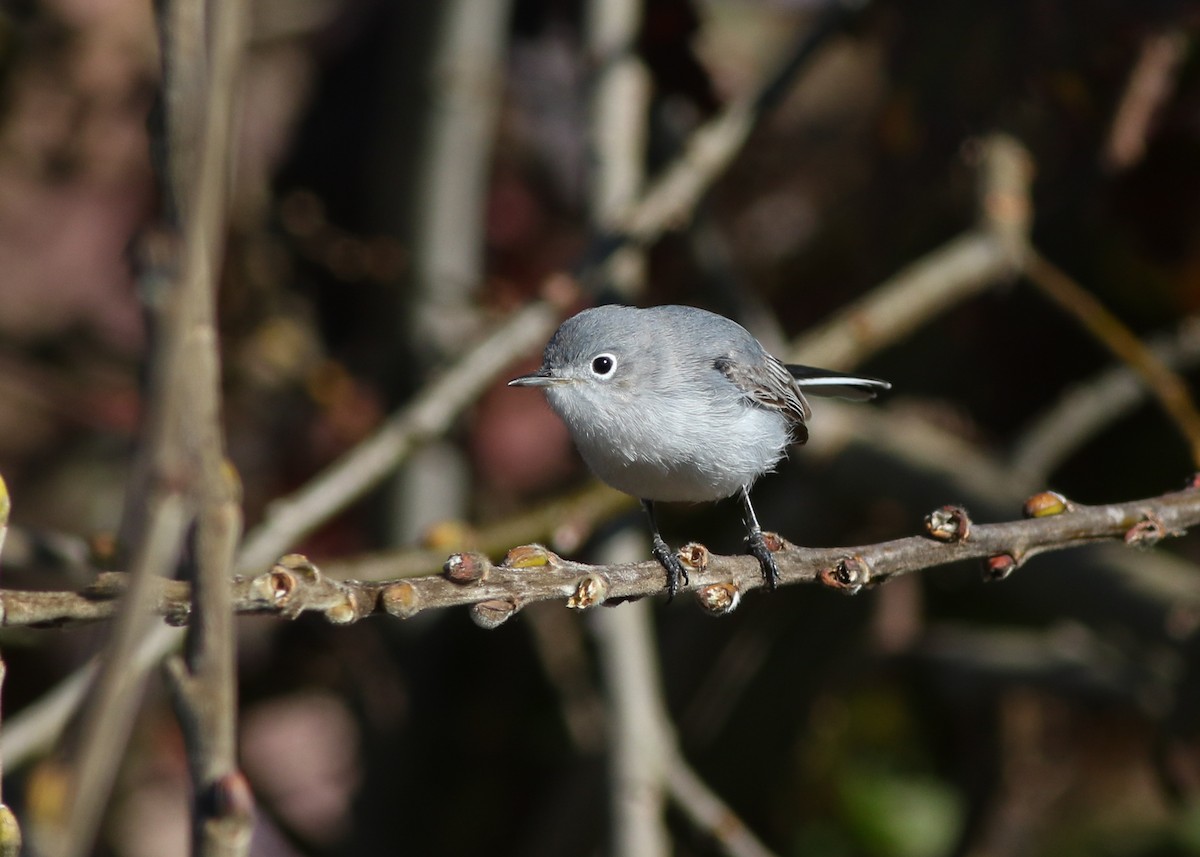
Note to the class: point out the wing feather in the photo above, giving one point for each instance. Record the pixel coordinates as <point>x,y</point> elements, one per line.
<point>770,385</point>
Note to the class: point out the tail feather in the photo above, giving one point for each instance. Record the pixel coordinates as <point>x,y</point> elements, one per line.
<point>823,382</point>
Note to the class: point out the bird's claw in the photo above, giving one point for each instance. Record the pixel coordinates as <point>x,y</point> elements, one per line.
<point>766,559</point>
<point>670,561</point>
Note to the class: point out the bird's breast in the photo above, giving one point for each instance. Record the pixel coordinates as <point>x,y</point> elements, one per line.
<point>665,451</point>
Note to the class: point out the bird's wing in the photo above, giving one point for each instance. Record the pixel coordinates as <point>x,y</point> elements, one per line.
<point>769,384</point>
<point>823,382</point>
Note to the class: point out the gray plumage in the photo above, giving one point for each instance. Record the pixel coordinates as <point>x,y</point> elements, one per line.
<point>675,403</point>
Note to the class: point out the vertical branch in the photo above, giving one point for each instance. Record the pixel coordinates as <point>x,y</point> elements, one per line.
<point>636,730</point>
<point>1152,81</point>
<point>10,830</point>
<point>647,765</point>
<point>617,137</point>
<point>960,269</point>
<point>449,244</point>
<point>617,129</point>
<point>118,687</point>
<point>1166,385</point>
<point>204,683</point>
<point>185,474</point>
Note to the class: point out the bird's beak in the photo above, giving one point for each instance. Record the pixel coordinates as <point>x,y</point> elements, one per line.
<point>540,378</point>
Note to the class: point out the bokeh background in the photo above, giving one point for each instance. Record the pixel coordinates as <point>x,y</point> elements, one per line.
<point>1055,713</point>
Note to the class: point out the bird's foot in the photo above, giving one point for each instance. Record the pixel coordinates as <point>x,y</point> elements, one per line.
<point>766,559</point>
<point>670,561</point>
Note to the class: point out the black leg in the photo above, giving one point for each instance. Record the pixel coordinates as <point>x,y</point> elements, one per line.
<point>758,545</point>
<point>666,557</point>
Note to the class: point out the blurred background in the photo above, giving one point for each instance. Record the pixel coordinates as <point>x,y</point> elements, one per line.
<point>379,225</point>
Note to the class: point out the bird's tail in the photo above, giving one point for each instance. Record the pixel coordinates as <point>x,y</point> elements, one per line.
<point>823,382</point>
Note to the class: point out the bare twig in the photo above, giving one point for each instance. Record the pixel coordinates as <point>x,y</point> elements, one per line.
<point>465,94</point>
<point>289,519</point>
<point>671,197</point>
<point>639,729</point>
<point>992,252</point>
<point>428,415</point>
<point>1090,406</point>
<point>564,523</point>
<point>531,573</point>
<point>647,764</point>
<point>204,685</point>
<point>119,680</point>
<point>10,829</point>
<point>1170,390</point>
<point>617,129</point>
<point>186,448</point>
<point>707,811</point>
<point>1151,83</point>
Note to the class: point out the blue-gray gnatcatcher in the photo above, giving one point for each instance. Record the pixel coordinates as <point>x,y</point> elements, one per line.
<point>675,403</point>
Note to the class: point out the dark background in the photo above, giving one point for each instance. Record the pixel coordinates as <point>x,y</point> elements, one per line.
<point>1055,713</point>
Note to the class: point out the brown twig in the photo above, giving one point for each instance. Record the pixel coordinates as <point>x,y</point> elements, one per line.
<point>428,415</point>
<point>204,686</point>
<point>639,728</point>
<point>1088,407</point>
<point>670,199</point>
<point>992,252</point>
<point>10,829</point>
<point>531,573</point>
<point>120,676</point>
<point>290,518</point>
<point>564,523</point>
<point>619,106</point>
<point>202,47</point>
<point>647,764</point>
<point>1170,390</point>
<point>1151,82</point>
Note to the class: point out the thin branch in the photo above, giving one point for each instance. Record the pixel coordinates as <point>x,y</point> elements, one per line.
<point>639,730</point>
<point>959,269</point>
<point>706,809</point>
<point>670,199</point>
<point>531,573</point>
<point>204,683</point>
<point>619,107</point>
<point>185,443</point>
<point>1152,81</point>
<point>1087,408</point>
<point>564,523</point>
<point>647,762</point>
<point>432,412</point>
<point>1170,390</point>
<point>428,415</point>
<point>10,828</point>
<point>992,252</point>
<point>121,675</point>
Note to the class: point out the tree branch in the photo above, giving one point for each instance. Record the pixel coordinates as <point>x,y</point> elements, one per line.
<point>671,197</point>
<point>1167,387</point>
<point>991,252</point>
<point>10,828</point>
<point>1088,407</point>
<point>290,518</point>
<point>531,573</point>
<point>430,414</point>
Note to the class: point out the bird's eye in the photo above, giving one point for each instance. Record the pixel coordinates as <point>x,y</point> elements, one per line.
<point>603,365</point>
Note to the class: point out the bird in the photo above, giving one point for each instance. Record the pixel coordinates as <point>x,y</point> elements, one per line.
<point>679,404</point>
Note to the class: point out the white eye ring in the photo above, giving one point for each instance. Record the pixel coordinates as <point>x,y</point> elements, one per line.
<point>603,365</point>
